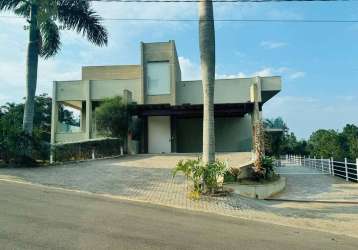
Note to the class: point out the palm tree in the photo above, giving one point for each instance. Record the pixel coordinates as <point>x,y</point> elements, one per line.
<point>44,17</point>
<point>207,57</point>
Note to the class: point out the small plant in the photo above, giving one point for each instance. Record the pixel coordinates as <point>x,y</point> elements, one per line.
<point>229,176</point>
<point>269,167</point>
<point>193,170</point>
<point>268,170</point>
<point>212,173</point>
<point>205,177</point>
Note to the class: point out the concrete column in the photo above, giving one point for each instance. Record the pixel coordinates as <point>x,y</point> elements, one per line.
<point>88,109</point>
<point>143,77</point>
<point>127,99</point>
<point>54,114</point>
<point>54,121</point>
<point>83,117</point>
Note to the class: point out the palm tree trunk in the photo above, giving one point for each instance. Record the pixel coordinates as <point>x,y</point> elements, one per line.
<point>31,67</point>
<point>207,57</point>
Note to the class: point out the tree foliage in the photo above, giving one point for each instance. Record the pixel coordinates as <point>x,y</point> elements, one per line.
<point>44,18</point>
<point>75,15</point>
<point>113,117</point>
<point>13,141</point>
<point>322,143</point>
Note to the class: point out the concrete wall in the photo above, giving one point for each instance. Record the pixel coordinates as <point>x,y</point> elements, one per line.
<point>109,88</point>
<point>160,52</point>
<point>70,137</point>
<point>226,91</point>
<point>70,90</point>
<point>114,72</point>
<point>232,134</point>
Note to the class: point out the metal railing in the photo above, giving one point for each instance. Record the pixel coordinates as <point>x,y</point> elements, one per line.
<point>343,169</point>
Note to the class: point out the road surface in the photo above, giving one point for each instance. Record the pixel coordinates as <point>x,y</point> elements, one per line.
<point>33,217</point>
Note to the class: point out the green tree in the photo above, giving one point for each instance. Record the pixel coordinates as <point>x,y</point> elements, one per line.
<point>207,58</point>
<point>274,139</point>
<point>44,36</point>
<point>113,118</point>
<point>275,123</point>
<point>326,143</point>
<point>66,116</point>
<point>13,141</point>
<point>349,141</point>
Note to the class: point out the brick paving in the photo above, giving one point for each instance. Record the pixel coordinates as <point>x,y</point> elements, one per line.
<point>145,178</point>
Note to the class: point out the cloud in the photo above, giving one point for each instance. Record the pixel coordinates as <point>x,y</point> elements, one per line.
<point>272,44</point>
<point>296,75</point>
<point>189,70</point>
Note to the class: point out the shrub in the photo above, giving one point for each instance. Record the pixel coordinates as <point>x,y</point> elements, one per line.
<point>83,150</point>
<point>193,170</point>
<point>212,172</point>
<point>269,172</point>
<point>205,177</point>
<point>229,176</point>
<point>112,117</point>
<point>15,145</point>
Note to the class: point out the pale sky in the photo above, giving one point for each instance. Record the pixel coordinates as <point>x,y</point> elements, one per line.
<point>318,62</point>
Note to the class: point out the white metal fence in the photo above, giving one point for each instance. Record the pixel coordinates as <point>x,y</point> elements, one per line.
<point>343,169</point>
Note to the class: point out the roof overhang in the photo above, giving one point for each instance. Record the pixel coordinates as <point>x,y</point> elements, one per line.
<point>188,110</point>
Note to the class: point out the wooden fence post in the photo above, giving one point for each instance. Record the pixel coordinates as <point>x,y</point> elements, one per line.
<point>332,166</point>
<point>322,169</point>
<point>314,161</point>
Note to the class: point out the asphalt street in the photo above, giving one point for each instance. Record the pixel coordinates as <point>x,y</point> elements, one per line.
<point>33,217</point>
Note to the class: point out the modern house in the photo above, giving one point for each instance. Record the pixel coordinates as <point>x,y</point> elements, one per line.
<point>170,109</point>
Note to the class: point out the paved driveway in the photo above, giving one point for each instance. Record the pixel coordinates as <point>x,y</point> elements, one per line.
<point>148,178</point>
<point>141,177</point>
<point>310,184</point>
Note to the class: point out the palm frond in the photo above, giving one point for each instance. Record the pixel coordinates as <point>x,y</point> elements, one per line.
<point>79,16</point>
<point>50,38</point>
<point>9,4</point>
<point>23,9</point>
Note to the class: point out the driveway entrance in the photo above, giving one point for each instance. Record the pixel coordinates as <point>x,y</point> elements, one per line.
<point>305,183</point>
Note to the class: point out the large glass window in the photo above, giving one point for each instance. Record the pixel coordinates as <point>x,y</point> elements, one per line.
<point>158,78</point>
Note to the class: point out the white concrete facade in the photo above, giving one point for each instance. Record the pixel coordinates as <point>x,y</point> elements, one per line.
<point>179,101</point>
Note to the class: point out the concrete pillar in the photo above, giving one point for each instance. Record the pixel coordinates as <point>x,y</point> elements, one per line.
<point>54,114</point>
<point>127,99</point>
<point>88,109</point>
<point>54,121</point>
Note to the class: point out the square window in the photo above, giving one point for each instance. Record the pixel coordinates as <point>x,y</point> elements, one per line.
<point>158,78</point>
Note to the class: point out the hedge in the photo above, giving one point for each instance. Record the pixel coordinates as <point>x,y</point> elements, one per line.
<point>83,150</point>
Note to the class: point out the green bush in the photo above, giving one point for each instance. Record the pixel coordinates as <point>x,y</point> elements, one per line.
<point>211,174</point>
<point>113,117</point>
<point>14,147</point>
<point>200,173</point>
<point>229,177</point>
<point>83,150</point>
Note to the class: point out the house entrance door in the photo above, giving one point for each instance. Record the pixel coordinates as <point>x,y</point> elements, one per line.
<point>159,134</point>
